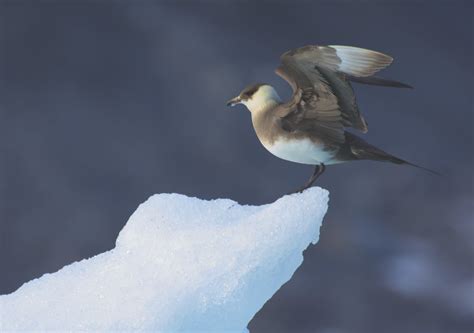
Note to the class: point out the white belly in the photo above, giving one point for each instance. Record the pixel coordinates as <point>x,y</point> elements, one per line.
<point>302,151</point>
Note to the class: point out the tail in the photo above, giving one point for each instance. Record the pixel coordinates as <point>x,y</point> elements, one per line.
<point>361,150</point>
<point>396,160</point>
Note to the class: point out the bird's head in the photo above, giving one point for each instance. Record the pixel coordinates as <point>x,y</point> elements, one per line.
<point>256,97</point>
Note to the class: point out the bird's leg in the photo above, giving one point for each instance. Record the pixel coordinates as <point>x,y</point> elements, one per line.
<point>318,170</point>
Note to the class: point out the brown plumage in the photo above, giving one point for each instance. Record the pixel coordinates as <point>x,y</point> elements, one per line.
<point>310,128</point>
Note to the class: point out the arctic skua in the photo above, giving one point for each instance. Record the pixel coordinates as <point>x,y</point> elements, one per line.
<point>310,128</point>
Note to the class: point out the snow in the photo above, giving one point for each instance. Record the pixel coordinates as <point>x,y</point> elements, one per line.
<point>180,264</point>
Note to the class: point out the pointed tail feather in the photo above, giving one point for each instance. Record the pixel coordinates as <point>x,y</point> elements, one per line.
<point>362,150</point>
<point>396,160</point>
<point>378,81</point>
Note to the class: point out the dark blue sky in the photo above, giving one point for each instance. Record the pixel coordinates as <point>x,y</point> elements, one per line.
<point>103,103</point>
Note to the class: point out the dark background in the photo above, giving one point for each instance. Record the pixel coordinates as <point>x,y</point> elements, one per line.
<point>103,103</point>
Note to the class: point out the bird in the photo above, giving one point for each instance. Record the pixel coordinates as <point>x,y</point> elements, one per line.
<point>310,128</point>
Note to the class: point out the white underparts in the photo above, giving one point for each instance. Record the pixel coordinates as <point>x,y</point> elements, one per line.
<point>302,151</point>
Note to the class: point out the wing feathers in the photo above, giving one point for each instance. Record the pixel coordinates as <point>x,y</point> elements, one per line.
<point>350,60</point>
<point>323,99</point>
<point>357,61</point>
<point>378,81</point>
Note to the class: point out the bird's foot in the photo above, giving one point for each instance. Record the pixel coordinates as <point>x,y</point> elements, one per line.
<point>300,190</point>
<point>318,170</point>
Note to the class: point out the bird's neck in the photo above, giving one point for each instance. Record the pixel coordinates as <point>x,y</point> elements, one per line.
<point>263,106</point>
<point>263,119</point>
<point>263,100</point>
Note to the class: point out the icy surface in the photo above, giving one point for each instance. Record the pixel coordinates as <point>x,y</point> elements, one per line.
<point>180,264</point>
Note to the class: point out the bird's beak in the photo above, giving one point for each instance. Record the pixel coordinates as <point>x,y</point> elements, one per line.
<point>234,101</point>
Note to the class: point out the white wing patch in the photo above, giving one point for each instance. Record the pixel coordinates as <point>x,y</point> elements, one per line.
<point>357,61</point>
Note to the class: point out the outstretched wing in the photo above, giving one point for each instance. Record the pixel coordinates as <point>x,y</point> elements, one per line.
<point>354,61</point>
<point>322,95</point>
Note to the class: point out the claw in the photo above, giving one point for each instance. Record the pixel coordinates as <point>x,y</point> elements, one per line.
<point>318,170</point>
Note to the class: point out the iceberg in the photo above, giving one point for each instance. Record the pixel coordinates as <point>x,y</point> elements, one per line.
<point>180,264</point>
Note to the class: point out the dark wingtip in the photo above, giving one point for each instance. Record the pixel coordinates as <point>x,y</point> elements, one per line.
<point>378,81</point>
<point>404,85</point>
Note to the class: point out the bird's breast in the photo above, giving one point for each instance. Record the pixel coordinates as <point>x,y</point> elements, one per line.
<point>303,151</point>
